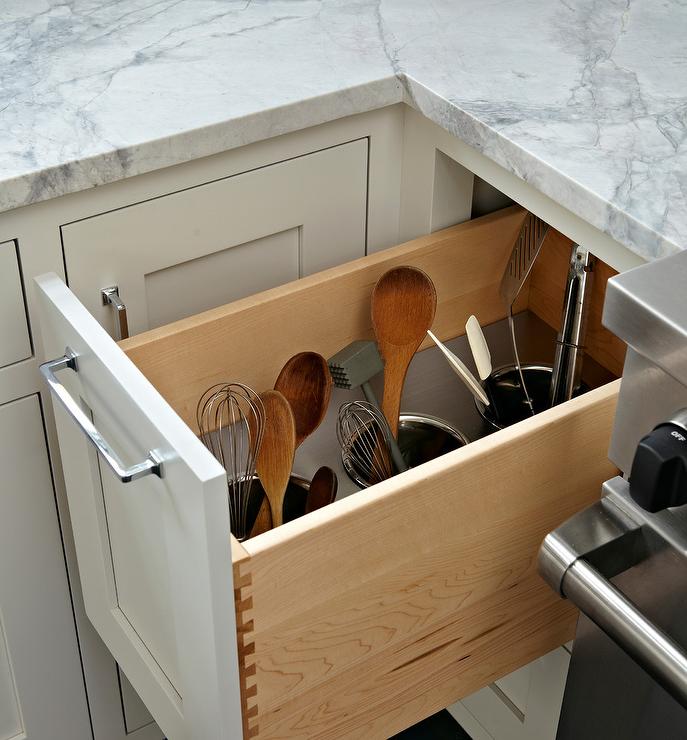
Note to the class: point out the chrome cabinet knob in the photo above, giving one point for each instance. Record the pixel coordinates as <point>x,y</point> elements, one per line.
<point>111,297</point>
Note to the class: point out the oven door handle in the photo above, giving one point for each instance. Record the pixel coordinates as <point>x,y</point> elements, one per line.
<point>578,558</point>
<point>654,651</point>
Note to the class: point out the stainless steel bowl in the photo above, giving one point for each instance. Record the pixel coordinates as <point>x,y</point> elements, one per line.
<point>421,437</point>
<point>505,389</point>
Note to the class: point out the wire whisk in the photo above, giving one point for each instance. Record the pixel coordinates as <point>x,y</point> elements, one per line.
<point>365,438</point>
<point>231,421</point>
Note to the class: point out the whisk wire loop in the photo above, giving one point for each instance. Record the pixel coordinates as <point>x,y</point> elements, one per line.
<point>364,435</point>
<point>231,422</point>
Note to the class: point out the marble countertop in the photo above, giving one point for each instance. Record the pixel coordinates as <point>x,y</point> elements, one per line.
<point>584,99</point>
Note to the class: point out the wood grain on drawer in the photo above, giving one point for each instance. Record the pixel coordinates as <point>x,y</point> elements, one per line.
<point>390,605</point>
<point>251,338</point>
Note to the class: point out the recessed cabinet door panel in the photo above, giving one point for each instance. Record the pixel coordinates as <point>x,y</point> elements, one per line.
<point>202,247</point>
<point>238,271</point>
<point>15,344</point>
<point>41,684</point>
<point>10,713</point>
<point>525,705</point>
<point>136,716</point>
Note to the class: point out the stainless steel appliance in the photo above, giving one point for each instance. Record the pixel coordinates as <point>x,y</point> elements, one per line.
<point>623,561</point>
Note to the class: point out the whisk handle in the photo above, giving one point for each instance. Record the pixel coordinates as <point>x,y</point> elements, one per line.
<point>396,456</point>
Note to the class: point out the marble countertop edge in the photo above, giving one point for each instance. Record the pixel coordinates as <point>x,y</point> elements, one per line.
<point>118,163</point>
<point>542,176</point>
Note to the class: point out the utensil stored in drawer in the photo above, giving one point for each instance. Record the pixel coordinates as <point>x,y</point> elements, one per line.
<point>359,618</point>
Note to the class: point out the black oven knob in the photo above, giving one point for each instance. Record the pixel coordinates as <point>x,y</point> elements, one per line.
<point>658,478</point>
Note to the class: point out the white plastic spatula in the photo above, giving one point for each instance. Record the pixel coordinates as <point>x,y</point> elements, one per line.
<point>461,371</point>
<point>479,347</point>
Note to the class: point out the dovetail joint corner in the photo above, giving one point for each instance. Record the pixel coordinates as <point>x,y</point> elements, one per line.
<point>243,602</point>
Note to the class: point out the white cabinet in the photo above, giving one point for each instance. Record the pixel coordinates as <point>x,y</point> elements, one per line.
<point>204,246</point>
<point>41,684</point>
<point>154,555</point>
<point>14,331</point>
<point>525,705</point>
<point>233,224</point>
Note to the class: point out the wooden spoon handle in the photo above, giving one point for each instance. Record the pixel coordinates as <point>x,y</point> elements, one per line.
<point>396,363</point>
<point>403,304</point>
<point>275,458</point>
<point>263,521</point>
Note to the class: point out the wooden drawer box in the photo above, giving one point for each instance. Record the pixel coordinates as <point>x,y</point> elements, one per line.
<point>361,618</point>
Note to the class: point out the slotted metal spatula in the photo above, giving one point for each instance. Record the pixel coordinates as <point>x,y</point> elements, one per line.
<point>525,251</point>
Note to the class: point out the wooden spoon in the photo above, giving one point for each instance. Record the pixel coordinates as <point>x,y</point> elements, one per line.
<point>275,458</point>
<point>306,383</point>
<point>263,520</point>
<point>403,305</point>
<point>323,489</point>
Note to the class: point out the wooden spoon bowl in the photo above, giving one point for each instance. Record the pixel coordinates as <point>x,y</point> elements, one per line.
<point>305,381</point>
<point>323,489</point>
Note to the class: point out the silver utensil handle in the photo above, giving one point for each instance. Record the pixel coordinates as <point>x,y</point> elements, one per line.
<point>111,296</point>
<point>619,618</point>
<point>567,366</point>
<point>152,465</point>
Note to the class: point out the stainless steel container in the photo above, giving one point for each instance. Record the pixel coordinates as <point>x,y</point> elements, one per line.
<point>505,390</point>
<point>421,438</point>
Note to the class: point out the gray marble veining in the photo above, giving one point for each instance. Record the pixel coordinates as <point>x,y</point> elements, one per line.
<point>584,99</point>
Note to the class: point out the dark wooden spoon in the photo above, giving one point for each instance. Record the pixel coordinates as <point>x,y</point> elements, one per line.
<point>323,489</point>
<point>404,302</point>
<point>306,383</point>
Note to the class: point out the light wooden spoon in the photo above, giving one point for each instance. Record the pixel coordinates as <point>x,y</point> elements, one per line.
<point>404,302</point>
<point>275,458</point>
<point>323,489</point>
<point>306,383</point>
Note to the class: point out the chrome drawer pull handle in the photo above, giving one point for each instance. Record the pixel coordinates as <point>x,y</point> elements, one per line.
<point>111,297</point>
<point>152,465</point>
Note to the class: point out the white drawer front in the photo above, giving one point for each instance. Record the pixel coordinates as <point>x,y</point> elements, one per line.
<point>16,343</point>
<point>154,554</point>
<point>189,251</point>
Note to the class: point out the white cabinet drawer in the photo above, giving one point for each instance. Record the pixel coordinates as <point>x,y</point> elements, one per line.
<point>189,251</point>
<point>14,330</point>
<point>358,619</point>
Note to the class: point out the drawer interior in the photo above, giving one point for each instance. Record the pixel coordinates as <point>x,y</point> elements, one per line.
<point>372,613</point>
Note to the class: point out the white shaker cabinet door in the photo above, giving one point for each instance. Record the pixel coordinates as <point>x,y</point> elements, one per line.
<point>198,248</point>
<point>154,552</point>
<point>41,684</point>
